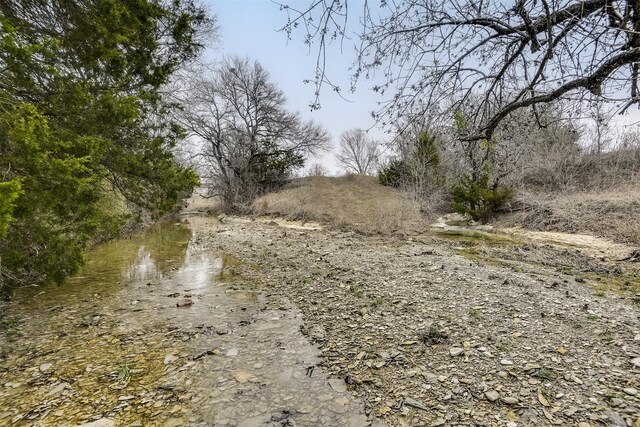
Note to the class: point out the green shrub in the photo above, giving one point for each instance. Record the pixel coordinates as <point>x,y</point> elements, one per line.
<point>394,173</point>
<point>479,200</point>
<point>424,162</point>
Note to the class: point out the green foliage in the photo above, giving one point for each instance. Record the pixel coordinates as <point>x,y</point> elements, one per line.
<point>479,200</point>
<point>9,192</point>
<point>80,126</point>
<point>427,150</point>
<point>423,162</point>
<point>460,120</point>
<point>394,173</point>
<point>8,325</point>
<point>271,166</point>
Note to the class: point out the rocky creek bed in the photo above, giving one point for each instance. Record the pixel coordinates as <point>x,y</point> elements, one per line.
<point>294,325</point>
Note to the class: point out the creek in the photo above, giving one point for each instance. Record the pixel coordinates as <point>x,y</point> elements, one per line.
<point>153,331</point>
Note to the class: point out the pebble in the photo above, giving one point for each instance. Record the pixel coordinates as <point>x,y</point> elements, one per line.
<point>492,395</point>
<point>616,401</point>
<point>123,398</point>
<point>102,422</point>
<point>521,383</point>
<point>456,351</point>
<point>570,411</point>
<point>414,403</point>
<point>510,400</point>
<point>243,376</point>
<point>45,367</point>
<point>185,302</point>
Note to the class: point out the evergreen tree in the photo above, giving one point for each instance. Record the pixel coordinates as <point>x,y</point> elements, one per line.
<point>82,124</point>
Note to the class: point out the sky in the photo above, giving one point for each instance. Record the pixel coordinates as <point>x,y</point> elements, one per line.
<point>250,28</point>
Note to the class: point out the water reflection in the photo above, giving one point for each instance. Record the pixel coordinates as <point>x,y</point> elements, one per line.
<point>146,256</point>
<point>198,269</point>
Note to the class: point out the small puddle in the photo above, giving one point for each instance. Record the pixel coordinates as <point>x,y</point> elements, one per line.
<point>112,343</point>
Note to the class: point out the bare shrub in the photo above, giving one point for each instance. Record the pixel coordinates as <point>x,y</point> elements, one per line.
<point>612,214</point>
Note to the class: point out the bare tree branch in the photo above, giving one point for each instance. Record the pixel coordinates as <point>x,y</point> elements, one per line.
<point>434,54</point>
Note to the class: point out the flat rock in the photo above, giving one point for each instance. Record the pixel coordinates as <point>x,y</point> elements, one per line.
<point>58,389</point>
<point>243,376</point>
<point>169,358</point>
<point>102,422</point>
<point>358,421</point>
<point>414,403</point>
<point>185,302</point>
<point>492,395</point>
<point>338,384</point>
<point>615,420</point>
<point>456,351</point>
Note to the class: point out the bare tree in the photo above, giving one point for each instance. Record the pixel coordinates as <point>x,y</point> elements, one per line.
<point>317,169</point>
<point>358,153</point>
<point>251,143</point>
<point>438,54</point>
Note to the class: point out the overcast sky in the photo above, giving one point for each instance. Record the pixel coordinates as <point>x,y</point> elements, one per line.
<point>250,28</point>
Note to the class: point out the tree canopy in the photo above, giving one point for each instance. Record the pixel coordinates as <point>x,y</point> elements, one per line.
<point>82,125</point>
<point>437,56</point>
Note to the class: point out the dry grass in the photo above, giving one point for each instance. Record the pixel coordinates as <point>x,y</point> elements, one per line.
<point>354,201</point>
<point>611,214</point>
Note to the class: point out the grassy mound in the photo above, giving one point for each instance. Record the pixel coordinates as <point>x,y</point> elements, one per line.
<point>354,201</point>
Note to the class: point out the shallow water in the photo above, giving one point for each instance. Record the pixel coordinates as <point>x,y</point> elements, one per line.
<point>112,343</point>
